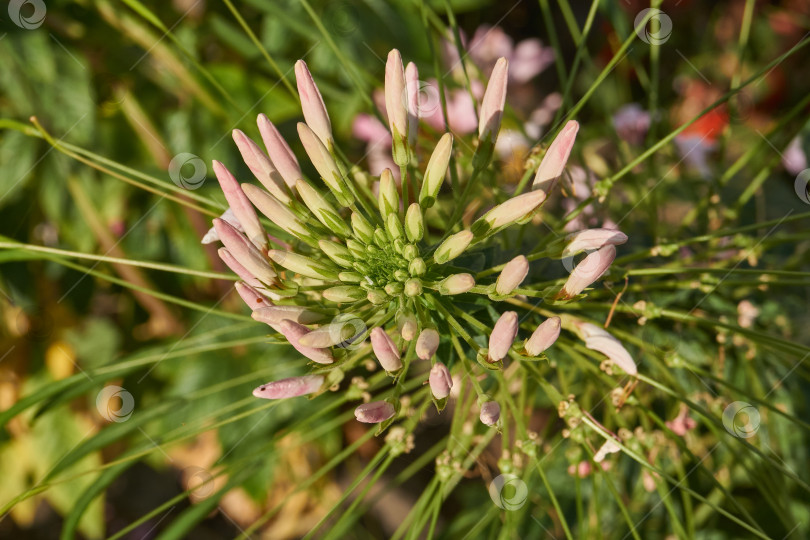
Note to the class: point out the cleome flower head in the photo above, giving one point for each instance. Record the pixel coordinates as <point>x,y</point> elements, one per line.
<point>351,269</point>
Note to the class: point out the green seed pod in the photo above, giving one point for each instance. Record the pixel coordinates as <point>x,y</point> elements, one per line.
<point>413,287</point>
<point>417,267</point>
<point>337,253</point>
<point>414,223</point>
<point>362,228</point>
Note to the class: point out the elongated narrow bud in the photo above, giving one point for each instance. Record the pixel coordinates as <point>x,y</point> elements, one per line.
<point>328,335</point>
<point>490,413</point>
<point>396,106</point>
<point>312,104</point>
<point>280,153</point>
<point>325,164</point>
<point>440,381</point>
<point>412,87</point>
<point>508,213</point>
<point>588,270</point>
<point>290,387</point>
<point>598,339</point>
<point>388,197</point>
<point>240,206</point>
<point>261,166</point>
<point>321,208</point>
<point>385,350</point>
<point>502,336</point>
<point>302,265</point>
<point>294,332</point>
<point>436,171</point>
<point>414,223</point>
<point>251,296</point>
<point>489,121</point>
<point>276,314</point>
<point>374,412</point>
<point>394,227</point>
<point>556,157</point>
<point>339,254</point>
<point>453,247</point>
<point>344,294</point>
<point>456,284</point>
<point>544,336</point>
<point>512,275</point>
<point>591,239</point>
<point>427,343</point>
<point>362,228</point>
<point>277,212</point>
<point>244,252</point>
<point>238,269</point>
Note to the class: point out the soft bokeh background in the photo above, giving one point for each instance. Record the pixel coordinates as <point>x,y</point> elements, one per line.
<point>140,83</point>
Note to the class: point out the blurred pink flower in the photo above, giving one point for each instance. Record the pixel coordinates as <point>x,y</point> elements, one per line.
<point>631,123</point>
<point>526,59</point>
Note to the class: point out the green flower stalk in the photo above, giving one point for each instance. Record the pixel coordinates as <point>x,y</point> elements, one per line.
<point>349,267</point>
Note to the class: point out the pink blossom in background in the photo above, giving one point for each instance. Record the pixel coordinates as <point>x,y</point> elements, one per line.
<point>526,59</point>
<point>631,123</point>
<point>794,159</point>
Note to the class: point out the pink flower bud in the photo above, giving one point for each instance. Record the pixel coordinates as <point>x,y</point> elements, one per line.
<point>591,239</point>
<point>261,166</point>
<point>598,339</point>
<point>293,332</point>
<point>456,284</point>
<point>489,122</point>
<point>275,314</point>
<point>512,210</point>
<point>440,381</point>
<point>240,206</point>
<point>589,270</point>
<point>396,95</point>
<point>374,412</point>
<point>407,326</point>
<point>553,163</point>
<point>490,413</point>
<point>502,336</point>
<point>251,296</point>
<point>412,86</point>
<point>512,275</point>
<point>312,104</point>
<point>291,387</point>
<point>244,252</point>
<point>385,350</point>
<point>427,343</point>
<point>544,336</point>
<point>238,269</point>
<point>280,153</point>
